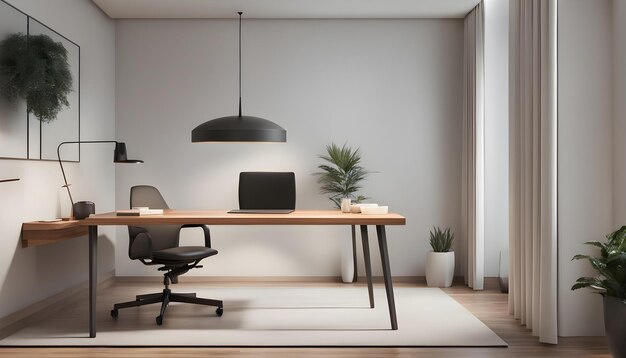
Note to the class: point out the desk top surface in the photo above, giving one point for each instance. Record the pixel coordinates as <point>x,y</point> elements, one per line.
<point>221,217</point>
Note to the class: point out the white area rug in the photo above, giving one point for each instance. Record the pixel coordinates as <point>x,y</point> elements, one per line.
<point>276,316</point>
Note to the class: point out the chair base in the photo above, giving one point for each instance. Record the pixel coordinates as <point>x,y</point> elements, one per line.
<point>165,298</point>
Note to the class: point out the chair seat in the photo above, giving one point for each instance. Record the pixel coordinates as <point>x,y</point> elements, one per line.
<point>183,253</point>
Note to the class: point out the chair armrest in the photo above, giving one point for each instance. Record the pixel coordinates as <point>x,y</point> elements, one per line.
<point>205,229</point>
<point>141,236</point>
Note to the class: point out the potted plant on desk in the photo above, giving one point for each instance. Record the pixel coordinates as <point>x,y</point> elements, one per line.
<point>440,261</point>
<point>611,284</point>
<point>340,178</point>
<point>341,175</point>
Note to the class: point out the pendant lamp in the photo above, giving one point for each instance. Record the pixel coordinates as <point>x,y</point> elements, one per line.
<point>238,128</point>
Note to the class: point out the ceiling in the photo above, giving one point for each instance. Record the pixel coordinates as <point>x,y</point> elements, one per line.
<point>286,9</point>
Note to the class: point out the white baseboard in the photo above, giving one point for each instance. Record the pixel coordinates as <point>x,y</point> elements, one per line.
<point>266,279</point>
<point>233,279</point>
<point>490,282</point>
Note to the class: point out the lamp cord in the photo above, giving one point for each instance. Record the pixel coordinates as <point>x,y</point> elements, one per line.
<point>240,13</point>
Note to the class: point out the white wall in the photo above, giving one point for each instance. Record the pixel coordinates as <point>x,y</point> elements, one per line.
<point>585,174</point>
<point>28,275</point>
<point>496,133</point>
<point>392,87</point>
<point>619,113</point>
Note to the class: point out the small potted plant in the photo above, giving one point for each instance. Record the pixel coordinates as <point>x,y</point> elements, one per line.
<point>611,284</point>
<point>440,261</point>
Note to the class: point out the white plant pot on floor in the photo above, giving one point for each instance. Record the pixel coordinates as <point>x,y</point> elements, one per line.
<point>347,260</point>
<point>439,269</point>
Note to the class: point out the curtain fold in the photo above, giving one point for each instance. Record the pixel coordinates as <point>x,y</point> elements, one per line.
<point>473,163</point>
<point>533,166</point>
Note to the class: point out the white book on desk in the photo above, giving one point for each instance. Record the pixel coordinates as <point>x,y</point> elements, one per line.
<point>139,212</point>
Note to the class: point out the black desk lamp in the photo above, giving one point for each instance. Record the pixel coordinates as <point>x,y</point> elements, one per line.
<point>119,156</point>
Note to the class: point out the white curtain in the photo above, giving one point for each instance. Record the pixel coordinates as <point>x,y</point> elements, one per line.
<point>533,166</point>
<point>473,172</point>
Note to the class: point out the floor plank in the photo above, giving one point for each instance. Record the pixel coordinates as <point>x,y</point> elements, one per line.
<point>490,306</point>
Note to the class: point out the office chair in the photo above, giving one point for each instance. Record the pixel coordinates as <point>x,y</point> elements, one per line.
<point>158,245</point>
<point>267,191</point>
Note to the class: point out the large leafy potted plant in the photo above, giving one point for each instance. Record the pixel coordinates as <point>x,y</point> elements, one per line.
<point>341,175</point>
<point>340,178</point>
<point>440,261</point>
<point>611,284</point>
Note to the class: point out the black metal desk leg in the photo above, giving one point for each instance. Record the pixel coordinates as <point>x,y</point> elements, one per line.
<point>384,258</point>
<point>93,278</point>
<point>368,264</point>
<point>355,277</point>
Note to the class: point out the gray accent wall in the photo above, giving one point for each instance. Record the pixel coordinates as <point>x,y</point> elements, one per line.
<point>391,87</point>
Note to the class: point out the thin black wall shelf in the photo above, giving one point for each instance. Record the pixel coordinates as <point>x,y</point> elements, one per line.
<point>7,180</point>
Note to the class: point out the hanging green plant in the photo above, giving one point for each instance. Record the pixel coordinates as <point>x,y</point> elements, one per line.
<point>35,68</point>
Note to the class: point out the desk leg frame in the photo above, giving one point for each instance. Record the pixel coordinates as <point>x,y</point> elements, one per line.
<point>93,278</point>
<point>368,263</point>
<point>384,257</point>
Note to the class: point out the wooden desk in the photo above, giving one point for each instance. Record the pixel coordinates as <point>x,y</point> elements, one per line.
<point>221,217</point>
<point>37,233</point>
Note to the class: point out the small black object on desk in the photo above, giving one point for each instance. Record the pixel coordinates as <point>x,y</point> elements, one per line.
<point>83,209</point>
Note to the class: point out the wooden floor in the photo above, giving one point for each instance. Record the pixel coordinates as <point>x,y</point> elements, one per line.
<point>490,306</point>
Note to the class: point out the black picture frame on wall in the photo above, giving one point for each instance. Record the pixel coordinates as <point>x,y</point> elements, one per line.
<point>40,140</point>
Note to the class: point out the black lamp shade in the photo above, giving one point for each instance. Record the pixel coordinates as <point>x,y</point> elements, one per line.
<point>238,129</point>
<point>120,156</point>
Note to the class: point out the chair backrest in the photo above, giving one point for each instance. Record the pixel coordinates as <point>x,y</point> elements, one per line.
<point>267,190</point>
<point>163,236</point>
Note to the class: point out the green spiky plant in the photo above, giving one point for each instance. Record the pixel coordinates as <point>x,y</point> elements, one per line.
<point>441,240</point>
<point>35,68</point>
<point>611,266</point>
<point>342,175</point>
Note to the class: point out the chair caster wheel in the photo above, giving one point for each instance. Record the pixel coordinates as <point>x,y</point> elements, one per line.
<point>114,313</point>
<point>219,311</point>
<point>159,320</point>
